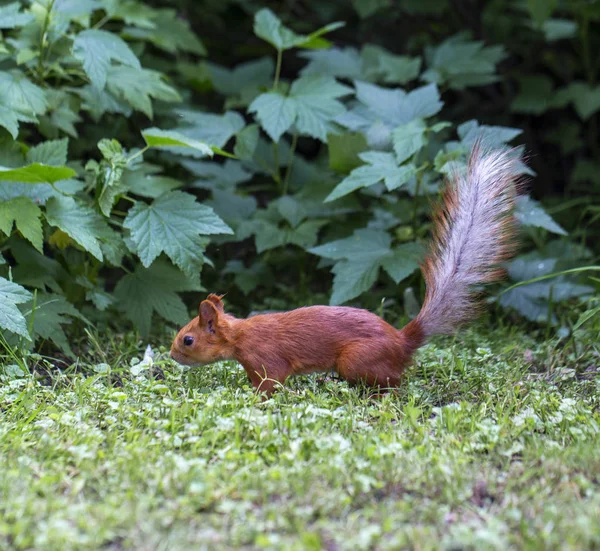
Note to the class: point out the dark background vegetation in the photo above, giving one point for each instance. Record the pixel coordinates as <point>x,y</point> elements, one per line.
<point>529,65</point>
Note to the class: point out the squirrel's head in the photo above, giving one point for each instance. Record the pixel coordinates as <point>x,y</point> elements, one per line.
<point>207,338</point>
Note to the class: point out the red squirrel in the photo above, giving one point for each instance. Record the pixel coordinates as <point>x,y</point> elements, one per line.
<point>473,232</point>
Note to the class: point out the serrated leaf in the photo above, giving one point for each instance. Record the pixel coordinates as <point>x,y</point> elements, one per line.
<point>173,224</point>
<point>408,139</point>
<point>471,131</point>
<point>75,220</point>
<point>276,113</point>
<point>217,175</point>
<point>291,210</point>
<point>231,207</point>
<point>460,63</point>
<point>397,107</point>
<point>137,87</point>
<point>559,29</point>
<point>381,65</point>
<point>246,142</point>
<point>11,318</point>
<point>155,137</point>
<point>215,130</point>
<point>96,49</point>
<point>52,152</point>
<point>364,243</point>
<point>316,104</point>
<point>344,150</point>
<point>26,215</point>
<point>352,278</point>
<point>402,261</point>
<point>154,289</point>
<point>534,96</point>
<point>530,213</point>
<point>335,62</point>
<point>270,28</point>
<point>381,167</point>
<point>10,17</point>
<point>541,10</point>
<point>51,313</point>
<point>169,32</point>
<point>149,185</point>
<point>19,94</point>
<point>36,173</point>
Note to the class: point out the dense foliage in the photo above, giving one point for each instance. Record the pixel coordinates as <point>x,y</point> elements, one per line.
<point>142,143</point>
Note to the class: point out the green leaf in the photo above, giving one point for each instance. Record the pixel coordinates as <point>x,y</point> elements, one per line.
<point>559,29</point>
<point>269,27</point>
<point>311,105</point>
<point>402,261</point>
<point>535,95</point>
<point>155,137</point>
<point>364,243</point>
<point>244,82</point>
<point>10,17</point>
<point>381,167</point>
<point>408,139</point>
<point>275,112</point>
<point>366,8</point>
<point>96,49</point>
<point>11,318</point>
<point>316,104</point>
<point>154,289</point>
<point>52,152</point>
<point>246,142</point>
<point>215,130</point>
<point>381,65</point>
<point>352,278</point>
<point>471,131</point>
<point>231,207</point>
<point>344,150</point>
<point>585,98</point>
<point>541,10</point>
<point>169,32</point>
<point>137,87</point>
<point>217,175</point>
<point>36,173</point>
<point>51,313</point>
<point>334,62</point>
<point>530,213</point>
<point>461,63</point>
<point>291,210</point>
<point>397,107</point>
<point>139,182</point>
<point>26,215</point>
<point>172,224</point>
<point>77,221</point>
<point>21,95</point>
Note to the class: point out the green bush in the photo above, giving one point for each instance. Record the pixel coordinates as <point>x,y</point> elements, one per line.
<point>298,158</point>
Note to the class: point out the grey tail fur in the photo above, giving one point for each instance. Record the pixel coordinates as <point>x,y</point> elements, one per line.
<point>473,233</point>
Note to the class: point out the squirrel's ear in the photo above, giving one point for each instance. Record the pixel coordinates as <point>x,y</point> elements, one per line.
<point>209,315</point>
<point>216,300</point>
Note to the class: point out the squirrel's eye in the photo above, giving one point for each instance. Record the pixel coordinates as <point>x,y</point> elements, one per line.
<point>188,341</point>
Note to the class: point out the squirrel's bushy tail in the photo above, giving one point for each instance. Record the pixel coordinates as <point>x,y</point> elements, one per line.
<point>473,233</point>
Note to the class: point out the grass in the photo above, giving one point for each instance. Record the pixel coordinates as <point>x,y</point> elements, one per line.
<point>492,443</point>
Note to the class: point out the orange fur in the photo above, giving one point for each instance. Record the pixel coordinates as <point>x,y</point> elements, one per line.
<point>473,232</point>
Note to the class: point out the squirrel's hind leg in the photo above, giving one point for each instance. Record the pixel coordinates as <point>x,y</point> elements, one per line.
<point>372,362</point>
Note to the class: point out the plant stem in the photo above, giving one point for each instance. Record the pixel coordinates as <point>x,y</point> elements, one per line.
<point>43,36</point>
<point>102,21</point>
<point>277,69</point>
<point>135,155</point>
<point>277,175</point>
<point>288,171</point>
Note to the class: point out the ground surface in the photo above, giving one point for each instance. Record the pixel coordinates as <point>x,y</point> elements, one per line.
<point>493,443</point>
